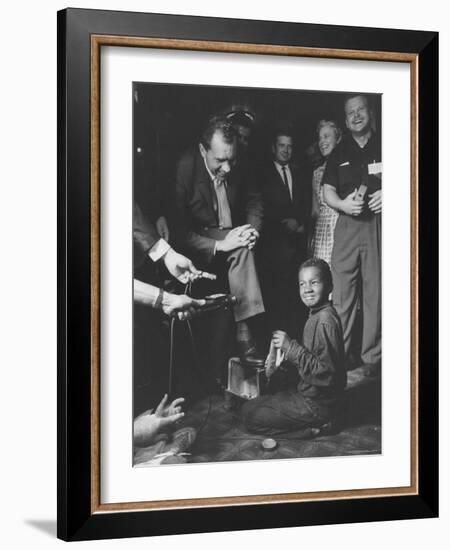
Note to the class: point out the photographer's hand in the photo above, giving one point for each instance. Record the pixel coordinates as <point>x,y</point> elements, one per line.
<point>180,305</point>
<point>182,268</point>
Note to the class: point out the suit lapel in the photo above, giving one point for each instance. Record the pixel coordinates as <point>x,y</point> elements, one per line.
<point>204,185</point>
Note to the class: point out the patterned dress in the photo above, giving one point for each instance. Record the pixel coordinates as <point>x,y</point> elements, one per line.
<point>323,237</point>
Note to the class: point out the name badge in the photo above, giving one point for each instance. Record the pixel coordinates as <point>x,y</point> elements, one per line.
<point>375,168</point>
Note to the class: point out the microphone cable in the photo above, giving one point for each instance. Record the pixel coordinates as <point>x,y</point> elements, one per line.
<point>187,291</point>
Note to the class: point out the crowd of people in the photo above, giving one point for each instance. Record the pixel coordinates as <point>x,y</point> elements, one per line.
<point>301,255</point>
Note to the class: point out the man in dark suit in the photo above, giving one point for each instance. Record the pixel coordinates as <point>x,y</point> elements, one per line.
<point>283,241</point>
<point>220,217</point>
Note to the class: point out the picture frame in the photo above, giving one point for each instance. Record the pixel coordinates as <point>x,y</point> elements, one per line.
<point>81,36</point>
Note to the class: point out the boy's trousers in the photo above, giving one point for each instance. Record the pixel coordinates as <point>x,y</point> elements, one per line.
<point>356,269</point>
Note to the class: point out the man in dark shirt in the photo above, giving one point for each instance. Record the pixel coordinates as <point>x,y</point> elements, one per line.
<point>352,185</point>
<point>319,360</point>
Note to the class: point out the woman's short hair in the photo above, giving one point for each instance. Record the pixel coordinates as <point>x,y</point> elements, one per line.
<point>332,124</point>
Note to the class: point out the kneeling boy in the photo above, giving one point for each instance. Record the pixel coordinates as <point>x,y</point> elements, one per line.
<point>319,362</point>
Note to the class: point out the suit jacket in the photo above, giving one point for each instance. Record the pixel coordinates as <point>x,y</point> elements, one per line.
<point>144,236</point>
<point>276,244</point>
<point>197,203</point>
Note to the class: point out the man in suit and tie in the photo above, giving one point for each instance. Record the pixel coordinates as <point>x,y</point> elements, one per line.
<point>283,241</point>
<point>220,217</point>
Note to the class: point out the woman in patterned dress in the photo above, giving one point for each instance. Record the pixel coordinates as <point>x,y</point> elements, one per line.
<point>328,136</point>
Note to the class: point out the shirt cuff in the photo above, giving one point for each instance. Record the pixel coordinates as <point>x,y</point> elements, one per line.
<point>152,294</point>
<point>158,250</point>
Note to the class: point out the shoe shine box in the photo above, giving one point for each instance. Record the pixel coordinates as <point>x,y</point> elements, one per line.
<point>245,381</point>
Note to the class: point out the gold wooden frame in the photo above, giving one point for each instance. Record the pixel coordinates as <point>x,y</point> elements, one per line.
<point>97,41</point>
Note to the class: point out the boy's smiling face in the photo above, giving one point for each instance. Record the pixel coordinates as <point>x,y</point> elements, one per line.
<point>313,290</point>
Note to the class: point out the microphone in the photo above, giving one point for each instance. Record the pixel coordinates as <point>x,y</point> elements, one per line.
<point>217,301</point>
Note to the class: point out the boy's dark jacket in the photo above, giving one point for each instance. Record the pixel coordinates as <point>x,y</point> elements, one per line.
<point>320,361</point>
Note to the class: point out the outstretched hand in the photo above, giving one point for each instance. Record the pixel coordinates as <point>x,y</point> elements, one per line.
<point>149,424</point>
<point>172,412</point>
<point>181,306</point>
<point>182,268</point>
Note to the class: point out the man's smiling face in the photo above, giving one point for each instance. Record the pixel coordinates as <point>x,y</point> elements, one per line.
<point>357,115</point>
<point>220,157</point>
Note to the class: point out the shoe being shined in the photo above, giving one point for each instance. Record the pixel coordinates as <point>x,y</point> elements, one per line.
<point>249,356</point>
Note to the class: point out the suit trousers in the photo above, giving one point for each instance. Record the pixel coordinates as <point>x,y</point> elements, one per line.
<point>242,277</point>
<point>356,269</point>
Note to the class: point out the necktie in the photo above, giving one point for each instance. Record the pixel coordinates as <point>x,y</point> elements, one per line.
<point>283,168</point>
<point>223,207</point>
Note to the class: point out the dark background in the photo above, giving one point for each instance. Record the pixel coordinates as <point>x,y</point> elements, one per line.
<point>168,118</point>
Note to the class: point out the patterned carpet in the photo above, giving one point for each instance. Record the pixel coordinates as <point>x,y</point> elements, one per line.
<point>223,437</point>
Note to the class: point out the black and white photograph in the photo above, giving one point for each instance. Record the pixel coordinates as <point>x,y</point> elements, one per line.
<point>257,319</point>
<point>194,350</point>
